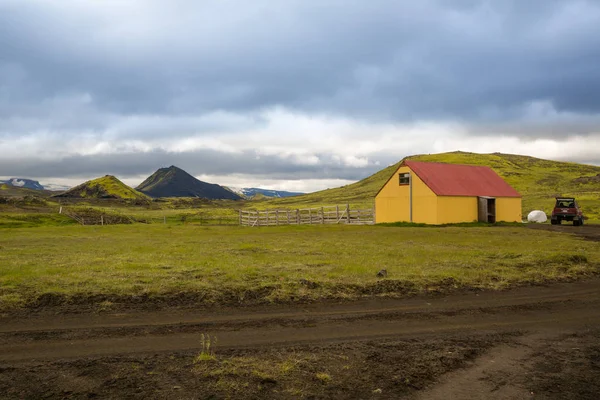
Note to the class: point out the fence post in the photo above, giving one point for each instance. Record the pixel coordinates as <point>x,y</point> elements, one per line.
<point>102,220</point>
<point>288,216</point>
<point>374,211</point>
<point>337,214</point>
<point>277,217</point>
<point>347,213</point>
<point>240,216</point>
<point>310,216</point>
<point>298,216</point>
<point>322,215</point>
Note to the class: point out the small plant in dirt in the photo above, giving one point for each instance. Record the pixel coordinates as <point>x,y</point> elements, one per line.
<point>323,377</point>
<point>207,352</point>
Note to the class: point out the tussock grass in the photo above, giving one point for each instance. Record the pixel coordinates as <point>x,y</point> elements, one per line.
<point>28,220</point>
<point>233,265</point>
<point>207,348</point>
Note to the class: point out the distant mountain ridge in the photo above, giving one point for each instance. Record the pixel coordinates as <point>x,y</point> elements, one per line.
<point>251,192</point>
<point>106,187</point>
<point>175,182</point>
<point>24,183</point>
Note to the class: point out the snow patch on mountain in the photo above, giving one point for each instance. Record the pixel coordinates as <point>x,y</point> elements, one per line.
<point>17,182</point>
<point>56,187</point>
<point>251,192</point>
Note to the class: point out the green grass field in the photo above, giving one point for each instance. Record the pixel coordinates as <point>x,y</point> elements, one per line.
<point>234,265</point>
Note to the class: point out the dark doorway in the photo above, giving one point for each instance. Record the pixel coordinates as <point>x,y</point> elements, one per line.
<point>486,209</point>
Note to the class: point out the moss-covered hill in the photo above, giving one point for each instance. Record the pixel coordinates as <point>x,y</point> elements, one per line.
<point>107,187</point>
<point>538,180</point>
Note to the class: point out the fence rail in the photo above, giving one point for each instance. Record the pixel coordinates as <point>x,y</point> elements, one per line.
<point>308,216</point>
<point>95,217</point>
<point>110,217</point>
<point>193,219</point>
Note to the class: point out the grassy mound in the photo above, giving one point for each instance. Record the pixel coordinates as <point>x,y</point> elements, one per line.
<point>107,187</point>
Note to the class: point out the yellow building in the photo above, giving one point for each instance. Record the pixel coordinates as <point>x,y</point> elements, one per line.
<point>437,193</point>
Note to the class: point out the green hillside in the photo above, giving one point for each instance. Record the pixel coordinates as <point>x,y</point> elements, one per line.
<point>7,190</point>
<point>107,187</point>
<point>361,193</point>
<point>538,180</point>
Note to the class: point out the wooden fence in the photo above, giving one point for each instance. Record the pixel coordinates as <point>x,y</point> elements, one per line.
<point>193,219</point>
<point>308,216</point>
<point>110,217</point>
<point>95,217</point>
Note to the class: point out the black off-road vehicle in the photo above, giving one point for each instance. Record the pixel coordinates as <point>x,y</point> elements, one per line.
<point>566,209</point>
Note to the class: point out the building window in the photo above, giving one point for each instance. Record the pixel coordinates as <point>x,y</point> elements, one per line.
<point>404,178</point>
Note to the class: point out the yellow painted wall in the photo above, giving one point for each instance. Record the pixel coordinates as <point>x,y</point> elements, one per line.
<point>508,209</point>
<point>392,202</point>
<point>453,209</point>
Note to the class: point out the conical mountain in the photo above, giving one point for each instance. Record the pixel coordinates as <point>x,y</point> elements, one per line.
<point>107,187</point>
<point>175,182</point>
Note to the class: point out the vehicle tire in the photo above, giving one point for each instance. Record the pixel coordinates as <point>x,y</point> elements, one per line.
<point>553,222</point>
<point>576,222</point>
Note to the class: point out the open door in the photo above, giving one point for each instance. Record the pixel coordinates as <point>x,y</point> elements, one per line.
<point>486,209</point>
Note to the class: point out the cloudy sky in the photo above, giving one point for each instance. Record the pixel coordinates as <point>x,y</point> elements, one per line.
<point>291,94</point>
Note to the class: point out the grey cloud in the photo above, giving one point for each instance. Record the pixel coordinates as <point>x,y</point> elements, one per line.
<point>383,60</point>
<point>154,71</point>
<point>196,163</point>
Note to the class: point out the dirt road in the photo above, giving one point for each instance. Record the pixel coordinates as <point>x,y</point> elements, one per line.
<point>589,232</point>
<point>476,344</point>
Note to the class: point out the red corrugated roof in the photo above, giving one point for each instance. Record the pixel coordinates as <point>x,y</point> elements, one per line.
<point>461,180</point>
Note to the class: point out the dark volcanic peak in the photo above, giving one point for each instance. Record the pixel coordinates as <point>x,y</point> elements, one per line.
<point>175,182</point>
<point>107,187</point>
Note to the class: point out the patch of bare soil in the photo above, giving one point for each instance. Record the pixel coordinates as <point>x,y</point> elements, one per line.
<point>587,179</point>
<point>383,369</point>
<point>567,368</point>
